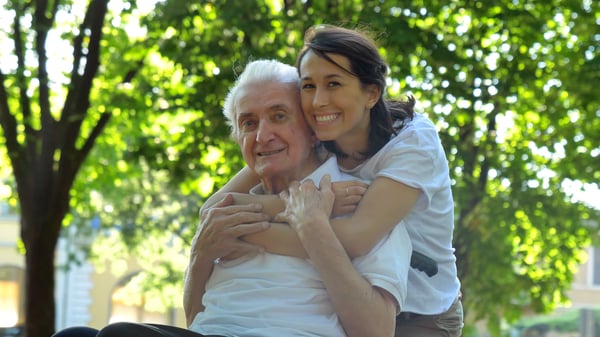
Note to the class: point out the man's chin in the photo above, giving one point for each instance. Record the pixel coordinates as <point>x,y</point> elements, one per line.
<point>266,171</point>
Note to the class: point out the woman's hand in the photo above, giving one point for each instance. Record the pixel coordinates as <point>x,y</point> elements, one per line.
<point>305,203</point>
<point>347,196</point>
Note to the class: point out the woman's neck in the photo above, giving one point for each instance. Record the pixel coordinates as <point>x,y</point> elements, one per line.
<point>351,161</point>
<point>354,143</point>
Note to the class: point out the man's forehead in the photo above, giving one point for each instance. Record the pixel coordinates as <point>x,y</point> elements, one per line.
<point>275,107</point>
<point>273,98</point>
<point>265,89</point>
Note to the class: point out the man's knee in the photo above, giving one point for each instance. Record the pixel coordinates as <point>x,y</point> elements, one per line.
<point>77,331</point>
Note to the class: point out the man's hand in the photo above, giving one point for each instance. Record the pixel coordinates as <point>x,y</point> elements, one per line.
<point>305,203</point>
<point>221,229</point>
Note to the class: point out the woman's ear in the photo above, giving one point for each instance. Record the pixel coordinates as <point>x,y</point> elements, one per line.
<point>373,95</point>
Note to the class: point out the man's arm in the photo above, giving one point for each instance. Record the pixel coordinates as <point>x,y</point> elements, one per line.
<point>363,310</point>
<point>221,228</point>
<point>194,286</point>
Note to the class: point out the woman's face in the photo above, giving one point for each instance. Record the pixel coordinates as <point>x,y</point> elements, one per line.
<point>334,102</point>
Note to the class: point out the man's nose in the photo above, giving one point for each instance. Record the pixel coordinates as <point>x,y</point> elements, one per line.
<point>265,132</point>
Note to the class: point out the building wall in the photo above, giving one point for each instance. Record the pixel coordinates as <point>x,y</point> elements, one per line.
<point>83,295</point>
<point>9,236</point>
<point>11,275</point>
<point>585,292</point>
<point>107,282</point>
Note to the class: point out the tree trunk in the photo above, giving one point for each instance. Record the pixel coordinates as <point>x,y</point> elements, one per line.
<point>39,282</point>
<point>44,198</point>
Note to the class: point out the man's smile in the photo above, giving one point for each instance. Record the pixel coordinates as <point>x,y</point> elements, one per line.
<point>269,153</point>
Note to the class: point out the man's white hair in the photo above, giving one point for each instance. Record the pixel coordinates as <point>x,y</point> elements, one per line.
<point>256,73</point>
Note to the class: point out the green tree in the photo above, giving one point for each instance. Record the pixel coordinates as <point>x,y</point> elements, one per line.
<point>511,86</point>
<point>48,127</point>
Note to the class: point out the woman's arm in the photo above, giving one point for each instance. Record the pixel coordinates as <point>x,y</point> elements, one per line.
<point>383,206</point>
<point>242,182</point>
<point>279,238</point>
<point>385,203</point>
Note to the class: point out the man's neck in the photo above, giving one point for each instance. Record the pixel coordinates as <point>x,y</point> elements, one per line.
<point>278,183</point>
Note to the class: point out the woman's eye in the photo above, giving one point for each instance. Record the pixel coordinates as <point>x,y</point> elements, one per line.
<point>333,84</point>
<point>307,86</point>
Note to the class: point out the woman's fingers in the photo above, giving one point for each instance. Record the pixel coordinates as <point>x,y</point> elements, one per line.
<point>347,196</point>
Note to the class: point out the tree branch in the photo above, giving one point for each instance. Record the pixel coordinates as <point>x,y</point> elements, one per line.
<point>491,146</point>
<point>22,83</point>
<point>96,131</point>
<point>78,102</point>
<point>42,25</point>
<point>43,150</point>
<point>9,126</point>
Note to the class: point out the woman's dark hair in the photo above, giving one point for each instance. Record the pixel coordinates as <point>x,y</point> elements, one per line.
<point>366,63</point>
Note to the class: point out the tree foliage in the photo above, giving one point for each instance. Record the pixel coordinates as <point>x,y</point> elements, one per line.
<point>510,84</point>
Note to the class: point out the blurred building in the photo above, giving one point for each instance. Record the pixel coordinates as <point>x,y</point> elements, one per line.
<point>83,295</point>
<point>585,292</point>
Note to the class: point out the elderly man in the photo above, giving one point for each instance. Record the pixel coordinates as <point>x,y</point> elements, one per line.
<point>267,295</point>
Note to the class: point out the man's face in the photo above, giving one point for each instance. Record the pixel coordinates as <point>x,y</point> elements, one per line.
<point>273,135</point>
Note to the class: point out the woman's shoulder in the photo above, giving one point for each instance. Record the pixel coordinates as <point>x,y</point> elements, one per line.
<point>421,120</point>
<point>420,126</point>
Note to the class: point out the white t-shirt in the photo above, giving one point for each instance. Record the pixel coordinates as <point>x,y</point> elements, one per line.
<point>270,295</point>
<point>416,158</point>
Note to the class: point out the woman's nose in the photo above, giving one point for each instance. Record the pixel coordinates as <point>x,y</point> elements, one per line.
<point>320,99</point>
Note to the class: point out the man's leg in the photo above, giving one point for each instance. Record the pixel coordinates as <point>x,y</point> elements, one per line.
<point>77,331</point>
<point>126,329</point>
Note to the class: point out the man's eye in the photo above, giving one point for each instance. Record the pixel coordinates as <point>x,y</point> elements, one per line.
<point>333,84</point>
<point>247,124</point>
<point>279,116</point>
<point>307,86</point>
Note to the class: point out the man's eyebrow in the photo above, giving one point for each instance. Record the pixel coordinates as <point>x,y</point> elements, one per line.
<point>278,106</point>
<point>243,115</point>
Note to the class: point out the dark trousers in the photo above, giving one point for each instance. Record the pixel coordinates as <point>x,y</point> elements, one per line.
<point>446,324</point>
<point>126,329</point>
